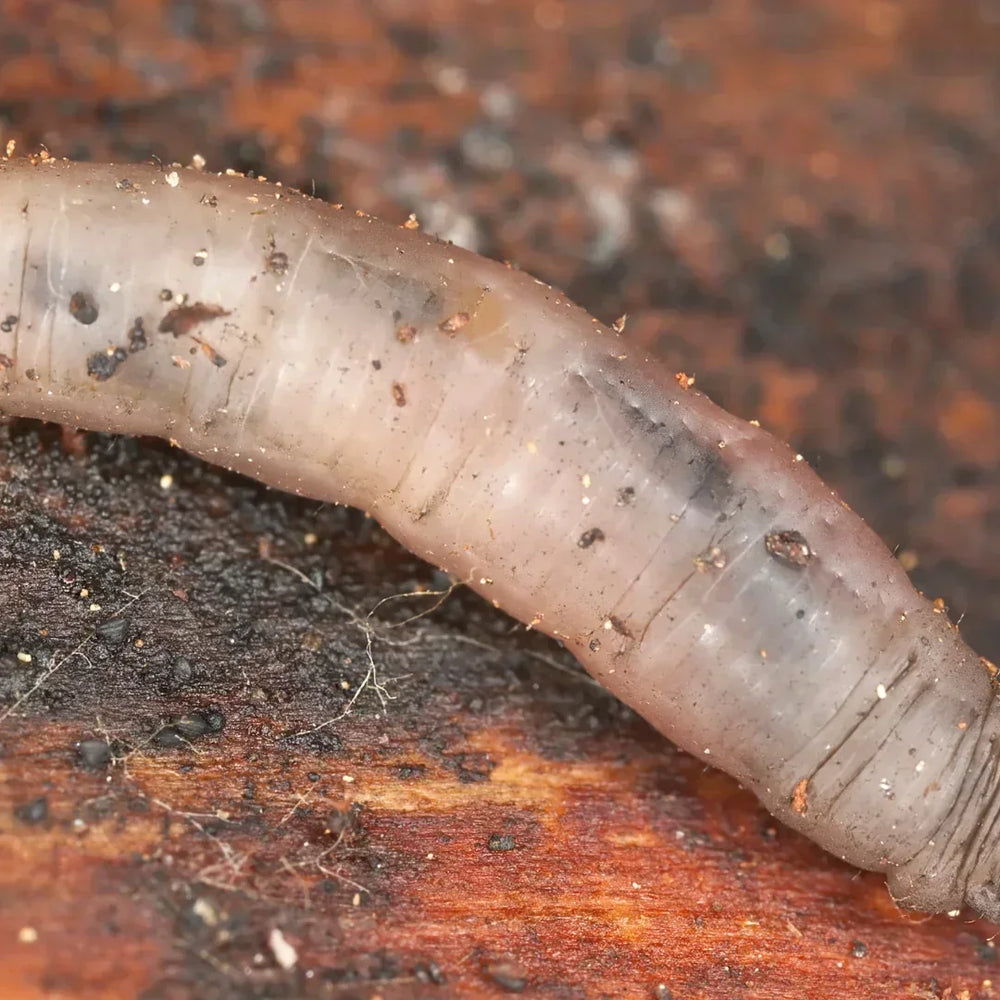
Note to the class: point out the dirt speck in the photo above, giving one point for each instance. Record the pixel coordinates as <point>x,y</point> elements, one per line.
<point>83,308</point>
<point>501,842</point>
<point>34,812</point>
<point>102,365</point>
<point>277,263</point>
<point>589,537</point>
<point>789,547</point>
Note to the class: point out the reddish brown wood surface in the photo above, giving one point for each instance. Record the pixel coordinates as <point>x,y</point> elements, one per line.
<point>799,203</point>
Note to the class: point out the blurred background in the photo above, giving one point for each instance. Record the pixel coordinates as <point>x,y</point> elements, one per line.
<point>798,203</point>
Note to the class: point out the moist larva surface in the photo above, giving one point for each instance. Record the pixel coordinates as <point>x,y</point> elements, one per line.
<point>693,564</point>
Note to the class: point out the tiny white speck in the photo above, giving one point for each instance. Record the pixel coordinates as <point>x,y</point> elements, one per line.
<point>145,201</point>
<point>707,751</point>
<point>348,779</point>
<point>284,954</point>
<point>115,286</point>
<point>880,691</point>
<point>585,480</point>
<point>173,179</point>
<point>921,764</point>
<point>24,657</point>
<point>451,80</point>
<point>27,935</point>
<point>166,481</point>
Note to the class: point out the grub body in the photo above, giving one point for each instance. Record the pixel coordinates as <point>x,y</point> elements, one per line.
<point>693,564</point>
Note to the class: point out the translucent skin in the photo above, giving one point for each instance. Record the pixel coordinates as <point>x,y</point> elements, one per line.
<point>693,564</point>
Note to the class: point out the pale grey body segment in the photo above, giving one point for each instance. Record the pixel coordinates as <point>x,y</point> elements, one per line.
<point>692,563</point>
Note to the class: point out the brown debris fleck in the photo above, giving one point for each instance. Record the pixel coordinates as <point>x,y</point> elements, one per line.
<point>800,796</point>
<point>398,394</point>
<point>210,352</point>
<point>991,668</point>
<point>789,547</point>
<point>453,324</point>
<point>181,320</point>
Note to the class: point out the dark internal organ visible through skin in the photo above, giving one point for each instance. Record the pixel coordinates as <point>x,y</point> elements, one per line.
<point>691,562</point>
